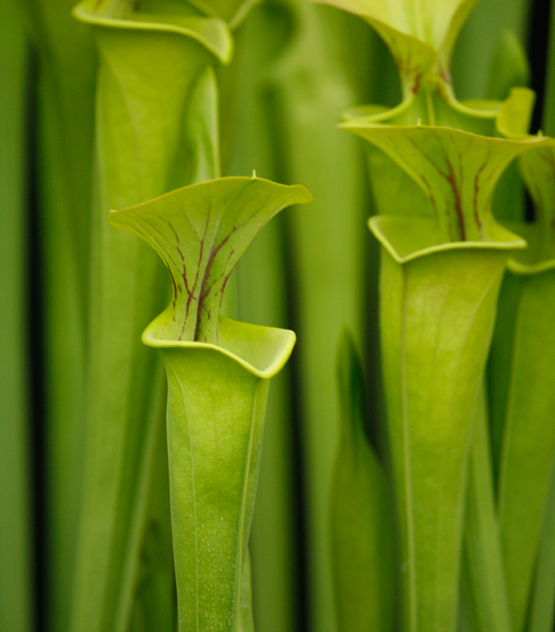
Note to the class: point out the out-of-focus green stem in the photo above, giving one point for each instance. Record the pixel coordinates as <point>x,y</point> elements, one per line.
<point>483,561</point>
<point>527,456</point>
<point>16,585</point>
<point>307,91</point>
<point>65,113</point>
<point>542,606</point>
<point>543,601</point>
<point>361,514</point>
<point>154,584</point>
<point>528,448</point>
<point>246,617</point>
<point>477,44</point>
<point>549,101</point>
<point>262,299</point>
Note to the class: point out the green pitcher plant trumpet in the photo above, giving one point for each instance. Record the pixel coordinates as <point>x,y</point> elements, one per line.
<point>457,170</point>
<point>419,496</point>
<point>155,119</point>
<point>443,261</point>
<point>437,311</point>
<point>420,35</point>
<point>218,374</point>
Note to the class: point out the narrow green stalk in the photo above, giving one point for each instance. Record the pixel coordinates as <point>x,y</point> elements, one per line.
<point>483,561</point>
<point>246,617</point>
<point>528,449</point>
<point>65,358</point>
<point>16,585</point>
<point>542,606</point>
<point>478,45</point>
<point>543,602</point>
<point>549,105</point>
<point>155,583</point>
<point>146,557</point>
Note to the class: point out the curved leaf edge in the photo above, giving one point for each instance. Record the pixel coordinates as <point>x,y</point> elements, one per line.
<point>236,20</point>
<point>407,239</point>
<point>512,116</point>
<point>212,33</point>
<point>528,264</point>
<point>261,350</point>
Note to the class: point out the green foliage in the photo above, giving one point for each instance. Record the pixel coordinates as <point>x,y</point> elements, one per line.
<point>361,518</point>
<point>218,372</point>
<point>444,520</point>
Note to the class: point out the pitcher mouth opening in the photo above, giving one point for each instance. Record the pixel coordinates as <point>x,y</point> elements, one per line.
<point>410,238</point>
<point>263,351</point>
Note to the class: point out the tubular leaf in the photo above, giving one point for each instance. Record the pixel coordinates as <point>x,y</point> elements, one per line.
<point>438,305</point>
<point>217,389</point>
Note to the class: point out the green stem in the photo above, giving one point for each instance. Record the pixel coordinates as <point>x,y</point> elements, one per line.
<point>65,107</point>
<point>542,608</point>
<point>326,246</point>
<point>16,595</point>
<point>361,516</point>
